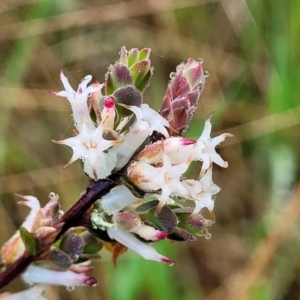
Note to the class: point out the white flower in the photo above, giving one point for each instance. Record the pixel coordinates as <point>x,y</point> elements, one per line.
<point>207,144</point>
<point>182,150</point>
<point>38,274</point>
<point>202,192</point>
<point>89,145</point>
<point>78,99</point>
<point>130,241</point>
<point>147,121</point>
<point>154,119</point>
<point>167,178</point>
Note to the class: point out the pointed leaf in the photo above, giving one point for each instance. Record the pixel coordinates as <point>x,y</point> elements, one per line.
<point>142,73</point>
<point>194,73</point>
<point>133,57</point>
<point>29,241</point>
<point>145,53</point>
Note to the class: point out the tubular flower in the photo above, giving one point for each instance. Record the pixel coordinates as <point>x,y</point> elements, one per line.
<point>41,275</point>
<point>131,242</point>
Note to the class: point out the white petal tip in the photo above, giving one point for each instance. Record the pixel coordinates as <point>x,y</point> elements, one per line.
<point>210,116</point>
<point>225,164</point>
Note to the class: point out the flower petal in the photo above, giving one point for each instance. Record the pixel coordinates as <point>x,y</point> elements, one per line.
<point>131,242</point>
<point>36,274</point>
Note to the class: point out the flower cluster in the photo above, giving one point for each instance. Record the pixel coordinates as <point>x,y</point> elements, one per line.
<point>153,200</point>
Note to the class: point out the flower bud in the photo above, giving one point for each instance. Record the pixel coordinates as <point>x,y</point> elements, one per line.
<point>182,95</point>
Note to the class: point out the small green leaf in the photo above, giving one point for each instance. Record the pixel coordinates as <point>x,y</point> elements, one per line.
<point>133,57</point>
<point>145,53</point>
<point>29,241</point>
<point>93,246</point>
<point>141,74</point>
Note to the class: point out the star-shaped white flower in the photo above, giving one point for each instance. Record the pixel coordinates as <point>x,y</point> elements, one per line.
<point>167,178</point>
<point>202,191</point>
<point>78,99</point>
<point>89,145</point>
<point>155,121</point>
<point>207,145</point>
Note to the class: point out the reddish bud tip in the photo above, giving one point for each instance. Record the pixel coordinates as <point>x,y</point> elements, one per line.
<point>161,235</point>
<point>109,102</point>
<point>186,142</point>
<point>91,281</point>
<point>168,261</point>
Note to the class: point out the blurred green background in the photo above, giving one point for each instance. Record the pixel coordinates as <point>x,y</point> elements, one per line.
<point>251,50</point>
